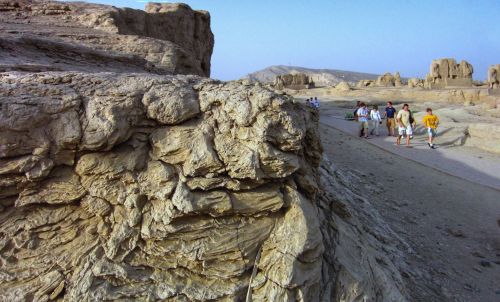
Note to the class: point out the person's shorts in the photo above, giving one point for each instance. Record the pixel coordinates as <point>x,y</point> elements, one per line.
<point>363,125</point>
<point>391,123</point>
<point>405,130</point>
<point>431,131</point>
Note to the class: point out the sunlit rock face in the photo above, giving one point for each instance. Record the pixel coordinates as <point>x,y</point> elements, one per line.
<point>166,38</point>
<point>126,176</point>
<point>132,186</point>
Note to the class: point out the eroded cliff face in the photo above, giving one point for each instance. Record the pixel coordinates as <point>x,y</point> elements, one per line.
<point>126,186</point>
<point>131,186</point>
<point>76,36</point>
<point>134,186</point>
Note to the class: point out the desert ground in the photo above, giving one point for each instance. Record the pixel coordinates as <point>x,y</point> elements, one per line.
<point>444,203</point>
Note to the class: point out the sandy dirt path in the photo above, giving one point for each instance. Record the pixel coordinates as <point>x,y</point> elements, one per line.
<point>452,225</point>
<point>471,164</point>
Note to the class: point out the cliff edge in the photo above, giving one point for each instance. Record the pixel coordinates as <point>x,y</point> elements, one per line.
<point>119,183</point>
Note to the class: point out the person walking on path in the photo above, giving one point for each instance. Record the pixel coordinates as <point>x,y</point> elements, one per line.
<point>358,105</point>
<point>404,125</point>
<point>376,120</point>
<point>362,114</point>
<point>315,103</point>
<point>389,114</point>
<point>431,122</point>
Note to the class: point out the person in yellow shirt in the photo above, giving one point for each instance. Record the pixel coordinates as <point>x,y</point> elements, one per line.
<point>431,122</point>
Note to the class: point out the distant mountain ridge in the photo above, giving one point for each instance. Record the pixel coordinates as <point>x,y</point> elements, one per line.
<point>322,77</point>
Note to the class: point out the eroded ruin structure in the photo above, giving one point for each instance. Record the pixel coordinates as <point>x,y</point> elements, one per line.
<point>293,81</point>
<point>494,76</point>
<point>447,73</point>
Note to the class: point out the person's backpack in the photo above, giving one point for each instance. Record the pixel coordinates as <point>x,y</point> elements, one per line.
<point>412,120</point>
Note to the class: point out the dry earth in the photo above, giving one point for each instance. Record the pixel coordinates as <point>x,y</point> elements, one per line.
<point>451,225</point>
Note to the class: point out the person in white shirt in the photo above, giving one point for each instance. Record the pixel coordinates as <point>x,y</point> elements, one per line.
<point>315,103</point>
<point>363,120</point>
<point>376,120</point>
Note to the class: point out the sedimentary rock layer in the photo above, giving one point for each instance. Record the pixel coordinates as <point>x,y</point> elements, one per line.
<point>117,183</point>
<point>132,186</point>
<point>143,187</point>
<point>77,36</point>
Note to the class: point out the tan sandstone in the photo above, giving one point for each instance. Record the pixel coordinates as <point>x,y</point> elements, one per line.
<point>121,181</point>
<point>447,73</point>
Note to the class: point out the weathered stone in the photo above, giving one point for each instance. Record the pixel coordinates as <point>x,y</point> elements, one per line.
<point>63,187</point>
<point>494,76</point>
<point>446,72</point>
<point>415,83</point>
<point>293,81</point>
<point>389,80</point>
<point>365,83</point>
<point>171,104</point>
<point>128,185</point>
<point>189,145</point>
<point>343,86</point>
<point>165,39</point>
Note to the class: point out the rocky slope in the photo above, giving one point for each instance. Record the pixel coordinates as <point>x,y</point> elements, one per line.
<point>43,36</point>
<point>321,77</point>
<point>128,185</point>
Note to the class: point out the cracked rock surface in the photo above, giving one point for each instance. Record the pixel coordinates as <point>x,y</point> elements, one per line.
<point>166,38</point>
<point>121,181</point>
<point>102,200</point>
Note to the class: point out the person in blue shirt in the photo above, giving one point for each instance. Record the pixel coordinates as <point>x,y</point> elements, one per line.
<point>389,114</point>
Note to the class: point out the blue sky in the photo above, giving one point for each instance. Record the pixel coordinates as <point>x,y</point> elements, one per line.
<point>366,36</point>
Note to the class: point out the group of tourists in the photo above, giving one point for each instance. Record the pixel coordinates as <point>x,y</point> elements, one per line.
<point>313,102</point>
<point>370,121</point>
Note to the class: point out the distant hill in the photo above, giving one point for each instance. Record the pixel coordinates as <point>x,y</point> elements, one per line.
<point>322,77</point>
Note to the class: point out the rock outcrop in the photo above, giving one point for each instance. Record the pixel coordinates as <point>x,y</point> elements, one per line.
<point>494,76</point>
<point>293,81</point>
<point>134,186</point>
<point>76,36</point>
<point>415,83</point>
<point>343,86</point>
<point>484,136</point>
<point>129,186</point>
<point>447,73</point>
<point>389,80</point>
<point>365,83</point>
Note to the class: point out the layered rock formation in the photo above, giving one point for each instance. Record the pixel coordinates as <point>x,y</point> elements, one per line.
<point>127,186</point>
<point>293,81</point>
<point>447,73</point>
<point>43,36</point>
<point>134,186</point>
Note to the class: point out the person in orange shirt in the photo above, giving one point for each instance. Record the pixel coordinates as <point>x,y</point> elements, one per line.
<point>431,122</point>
